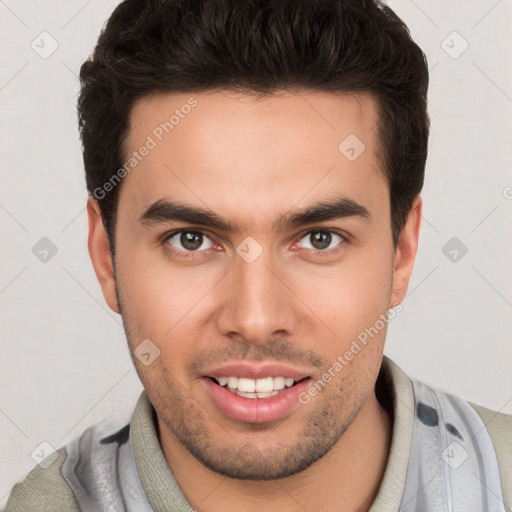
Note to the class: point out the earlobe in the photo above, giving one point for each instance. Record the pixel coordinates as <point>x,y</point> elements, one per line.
<point>101,257</point>
<point>405,253</point>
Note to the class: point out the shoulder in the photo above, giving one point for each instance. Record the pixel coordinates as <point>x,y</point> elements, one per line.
<point>43,489</point>
<point>499,426</point>
<point>82,473</point>
<point>472,433</point>
<point>452,444</point>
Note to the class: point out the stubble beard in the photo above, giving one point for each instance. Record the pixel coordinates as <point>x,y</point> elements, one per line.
<point>236,455</point>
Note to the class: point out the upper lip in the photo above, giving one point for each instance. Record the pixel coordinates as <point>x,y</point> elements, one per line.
<point>256,370</point>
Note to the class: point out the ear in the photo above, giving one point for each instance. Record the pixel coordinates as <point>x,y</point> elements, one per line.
<point>405,253</point>
<point>99,251</point>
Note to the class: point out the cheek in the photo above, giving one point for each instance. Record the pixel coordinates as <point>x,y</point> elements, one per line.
<point>353,304</point>
<point>347,297</point>
<point>161,301</point>
<point>369,294</point>
<point>159,298</point>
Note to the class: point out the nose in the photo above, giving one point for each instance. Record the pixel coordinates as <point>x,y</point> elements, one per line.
<point>256,301</point>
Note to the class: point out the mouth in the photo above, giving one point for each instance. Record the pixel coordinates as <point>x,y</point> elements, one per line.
<point>255,393</point>
<point>265,387</point>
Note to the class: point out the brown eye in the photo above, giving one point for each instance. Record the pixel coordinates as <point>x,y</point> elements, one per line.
<point>320,240</point>
<point>189,241</point>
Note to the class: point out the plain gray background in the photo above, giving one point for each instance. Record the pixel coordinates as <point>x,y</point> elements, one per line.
<point>64,361</point>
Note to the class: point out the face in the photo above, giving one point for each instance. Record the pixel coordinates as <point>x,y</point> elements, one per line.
<point>252,251</point>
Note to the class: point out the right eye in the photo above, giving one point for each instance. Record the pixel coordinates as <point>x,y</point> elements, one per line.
<point>188,240</point>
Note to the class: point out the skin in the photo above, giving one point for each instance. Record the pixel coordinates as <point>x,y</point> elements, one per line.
<point>253,161</point>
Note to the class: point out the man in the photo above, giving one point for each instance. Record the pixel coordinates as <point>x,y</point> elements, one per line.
<point>254,171</point>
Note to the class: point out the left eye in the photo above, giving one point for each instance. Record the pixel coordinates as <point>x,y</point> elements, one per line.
<point>190,241</point>
<point>320,240</point>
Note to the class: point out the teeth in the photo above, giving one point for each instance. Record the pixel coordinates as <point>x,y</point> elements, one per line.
<point>267,386</point>
<point>247,395</point>
<point>253,395</point>
<point>266,395</point>
<point>279,382</point>
<point>246,385</point>
<point>264,385</point>
<point>232,382</point>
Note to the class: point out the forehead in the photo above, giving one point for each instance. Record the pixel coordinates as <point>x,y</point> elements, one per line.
<point>227,149</point>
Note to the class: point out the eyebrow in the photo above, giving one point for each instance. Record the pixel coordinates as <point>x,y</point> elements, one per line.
<point>164,210</point>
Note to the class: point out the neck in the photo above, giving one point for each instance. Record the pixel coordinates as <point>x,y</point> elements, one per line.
<point>349,474</point>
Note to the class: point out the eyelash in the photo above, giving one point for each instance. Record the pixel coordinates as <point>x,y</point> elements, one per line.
<point>192,254</point>
<point>327,252</point>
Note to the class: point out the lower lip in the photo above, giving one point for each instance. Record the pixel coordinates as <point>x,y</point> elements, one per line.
<point>254,410</point>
